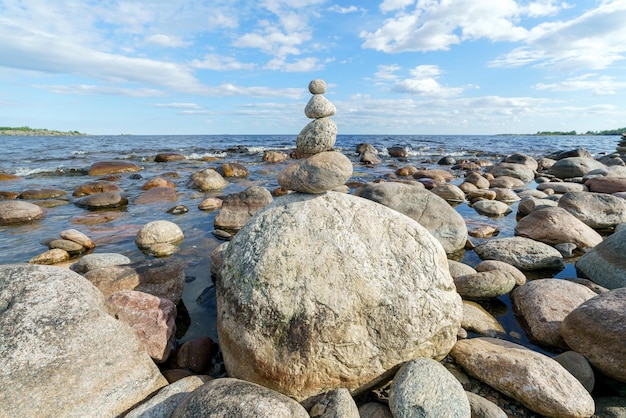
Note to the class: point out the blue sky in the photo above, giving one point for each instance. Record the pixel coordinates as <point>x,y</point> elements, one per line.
<point>243,67</point>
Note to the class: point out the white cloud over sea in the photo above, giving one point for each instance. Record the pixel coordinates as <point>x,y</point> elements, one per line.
<point>393,66</point>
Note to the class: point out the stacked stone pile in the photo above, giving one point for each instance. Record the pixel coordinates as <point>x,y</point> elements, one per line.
<point>321,169</point>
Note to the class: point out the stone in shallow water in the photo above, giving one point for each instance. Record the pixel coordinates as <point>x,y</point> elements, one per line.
<point>524,253</point>
<point>14,212</point>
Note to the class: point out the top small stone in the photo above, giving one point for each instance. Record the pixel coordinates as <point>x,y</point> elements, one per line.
<point>317,86</point>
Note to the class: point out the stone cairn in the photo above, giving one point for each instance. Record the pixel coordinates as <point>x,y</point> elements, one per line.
<point>321,169</point>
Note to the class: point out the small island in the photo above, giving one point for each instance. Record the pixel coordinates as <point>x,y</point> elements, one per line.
<point>27,131</point>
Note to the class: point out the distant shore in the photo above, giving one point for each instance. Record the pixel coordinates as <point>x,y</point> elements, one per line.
<point>36,132</point>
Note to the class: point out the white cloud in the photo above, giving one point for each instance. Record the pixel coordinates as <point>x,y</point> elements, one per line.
<point>599,85</point>
<point>335,8</point>
<point>166,40</point>
<point>391,5</point>
<point>100,90</point>
<point>273,41</point>
<point>300,65</point>
<point>221,63</point>
<point>219,20</point>
<point>187,106</point>
<point>423,81</point>
<point>436,25</point>
<point>387,72</point>
<point>594,40</point>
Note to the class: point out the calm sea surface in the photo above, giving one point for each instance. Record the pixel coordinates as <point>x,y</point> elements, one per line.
<point>62,163</point>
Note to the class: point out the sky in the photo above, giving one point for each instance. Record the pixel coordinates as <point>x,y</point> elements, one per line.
<point>243,67</point>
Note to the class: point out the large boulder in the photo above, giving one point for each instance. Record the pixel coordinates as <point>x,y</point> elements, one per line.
<point>328,291</point>
<point>607,184</point>
<point>62,353</point>
<point>605,264</point>
<point>597,210</point>
<point>518,171</point>
<point>430,210</point>
<point>596,330</point>
<point>555,225</point>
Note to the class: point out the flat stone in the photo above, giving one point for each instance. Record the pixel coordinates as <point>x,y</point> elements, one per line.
<point>156,195</point>
<point>16,212</point>
<point>597,210</point>
<point>574,167</point>
<point>562,187</point>
<point>105,200</point>
<point>491,208</point>
<point>505,268</point>
<point>477,319</point>
<point>524,253</point>
<point>607,184</point>
<point>112,167</point>
<point>78,237</point>
<point>53,256</point>
<point>98,260</point>
<point>484,285</point>
<point>533,379</point>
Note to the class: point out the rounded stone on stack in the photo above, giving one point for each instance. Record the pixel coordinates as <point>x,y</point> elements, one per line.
<point>319,107</point>
<point>317,86</point>
<point>319,173</point>
<point>317,136</point>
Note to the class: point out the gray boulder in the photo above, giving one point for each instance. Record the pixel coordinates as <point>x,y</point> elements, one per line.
<point>533,379</point>
<point>574,167</point>
<point>524,253</point>
<point>337,403</point>
<point>605,264</point>
<point>431,211</point>
<point>98,260</point>
<point>320,292</point>
<point>596,330</point>
<point>544,303</point>
<point>62,353</point>
<point>518,171</point>
<point>228,398</point>
<point>425,388</point>
<point>597,210</point>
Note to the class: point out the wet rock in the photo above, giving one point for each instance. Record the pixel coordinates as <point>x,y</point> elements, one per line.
<point>477,180</point>
<point>41,194</point>
<point>397,152</point>
<point>165,157</point>
<point>197,355</point>
<point>16,212</point>
<point>94,187</point>
<point>112,167</point>
<point>105,200</point>
<point>519,158</point>
<point>158,232</point>
<point>505,268</point>
<point>607,184</point>
<point>491,208</point>
<point>449,192</point>
<point>596,328</point>
<point>207,180</point>
<point>97,260</point>
<point>156,195</point>
<point>157,182</point>
<point>210,203</point>
<point>423,387</point>
<point>518,171</point>
<point>506,182</point>
<point>237,208</point>
<point>274,156</point>
<point>544,303</point>
<point>233,170</point>
<point>441,176</point>
<point>73,248</point>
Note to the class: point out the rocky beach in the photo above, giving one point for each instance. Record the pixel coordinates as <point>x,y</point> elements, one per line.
<point>313,280</point>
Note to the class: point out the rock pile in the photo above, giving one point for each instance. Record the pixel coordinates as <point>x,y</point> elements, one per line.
<point>322,169</point>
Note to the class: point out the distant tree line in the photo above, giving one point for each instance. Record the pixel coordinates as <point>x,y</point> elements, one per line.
<point>26,130</point>
<point>618,131</point>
